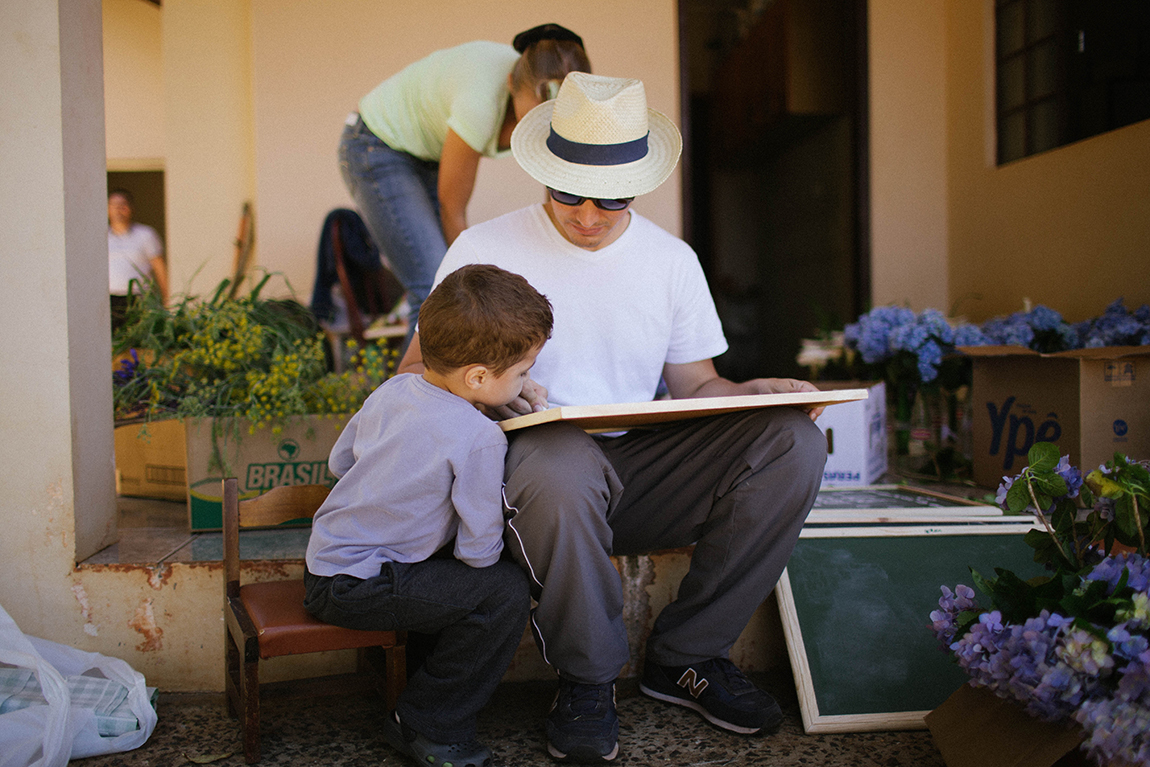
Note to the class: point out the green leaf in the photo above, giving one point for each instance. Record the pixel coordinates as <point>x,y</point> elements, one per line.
<point>1062,519</point>
<point>1125,521</point>
<point>1043,456</point>
<point>1018,497</point>
<point>986,586</point>
<point>1046,549</point>
<point>1086,496</point>
<point>1013,596</point>
<point>1050,484</point>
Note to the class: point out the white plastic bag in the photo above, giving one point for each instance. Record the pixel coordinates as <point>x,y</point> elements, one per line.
<point>49,735</point>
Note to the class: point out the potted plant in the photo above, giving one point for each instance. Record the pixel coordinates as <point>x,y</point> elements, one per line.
<point>248,373</point>
<point>1073,645</point>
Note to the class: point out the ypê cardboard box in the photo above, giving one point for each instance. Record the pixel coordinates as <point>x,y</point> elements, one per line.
<point>856,435</point>
<point>1090,402</point>
<point>976,728</point>
<point>214,448</point>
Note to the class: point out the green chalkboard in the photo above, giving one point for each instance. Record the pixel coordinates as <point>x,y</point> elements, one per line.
<point>856,606</point>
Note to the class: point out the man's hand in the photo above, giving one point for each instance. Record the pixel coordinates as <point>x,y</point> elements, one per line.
<point>532,399</point>
<point>784,386</point>
<point>699,379</point>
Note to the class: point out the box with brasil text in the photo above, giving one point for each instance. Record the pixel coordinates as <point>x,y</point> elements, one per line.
<point>1090,402</point>
<point>202,451</point>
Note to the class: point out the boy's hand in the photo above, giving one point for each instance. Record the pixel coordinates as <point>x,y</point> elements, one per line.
<point>532,399</point>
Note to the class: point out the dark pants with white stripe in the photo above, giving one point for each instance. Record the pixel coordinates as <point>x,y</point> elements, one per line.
<point>476,614</point>
<point>738,486</point>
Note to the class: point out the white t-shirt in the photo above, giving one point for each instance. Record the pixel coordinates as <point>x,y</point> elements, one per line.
<point>418,466</point>
<point>620,312</point>
<point>130,257</point>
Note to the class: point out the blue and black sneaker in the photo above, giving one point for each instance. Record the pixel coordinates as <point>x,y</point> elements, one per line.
<point>718,690</point>
<point>582,725</point>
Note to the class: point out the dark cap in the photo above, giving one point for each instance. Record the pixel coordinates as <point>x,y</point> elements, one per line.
<point>544,32</point>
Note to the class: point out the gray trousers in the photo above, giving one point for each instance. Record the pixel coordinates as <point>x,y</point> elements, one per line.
<point>738,486</point>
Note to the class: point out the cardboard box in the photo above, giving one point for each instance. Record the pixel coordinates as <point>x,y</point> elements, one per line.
<point>856,435</point>
<point>151,460</point>
<point>1090,402</point>
<point>221,447</point>
<point>186,460</point>
<point>976,728</point>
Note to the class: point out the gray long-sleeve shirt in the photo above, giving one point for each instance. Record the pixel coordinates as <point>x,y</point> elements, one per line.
<point>417,467</point>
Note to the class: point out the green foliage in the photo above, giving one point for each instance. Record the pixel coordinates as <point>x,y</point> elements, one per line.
<point>260,360</point>
<point>1083,519</point>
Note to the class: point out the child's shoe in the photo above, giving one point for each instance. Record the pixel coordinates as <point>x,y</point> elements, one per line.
<point>425,752</point>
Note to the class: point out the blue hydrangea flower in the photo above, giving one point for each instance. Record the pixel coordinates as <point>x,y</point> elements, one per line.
<point>1115,327</point>
<point>970,335</point>
<point>871,334</point>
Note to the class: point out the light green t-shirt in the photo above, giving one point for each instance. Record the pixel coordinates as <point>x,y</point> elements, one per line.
<point>462,88</point>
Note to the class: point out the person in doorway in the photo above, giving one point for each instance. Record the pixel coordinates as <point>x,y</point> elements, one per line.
<point>411,535</point>
<point>134,253</point>
<point>632,306</point>
<point>410,155</point>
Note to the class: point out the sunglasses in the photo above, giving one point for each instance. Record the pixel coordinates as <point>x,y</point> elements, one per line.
<point>570,199</point>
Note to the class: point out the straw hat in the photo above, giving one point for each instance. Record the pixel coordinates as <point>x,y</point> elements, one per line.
<point>597,138</point>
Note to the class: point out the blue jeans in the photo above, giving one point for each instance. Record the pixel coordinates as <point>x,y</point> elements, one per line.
<point>397,197</point>
<point>478,613</point>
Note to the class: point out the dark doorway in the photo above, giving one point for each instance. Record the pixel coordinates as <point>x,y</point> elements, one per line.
<point>775,157</point>
<point>147,188</point>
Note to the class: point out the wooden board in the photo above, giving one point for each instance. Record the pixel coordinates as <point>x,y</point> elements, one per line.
<point>855,606</point>
<point>628,415</point>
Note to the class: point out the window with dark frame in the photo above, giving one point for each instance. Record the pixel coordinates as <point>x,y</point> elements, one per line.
<point>1067,70</point>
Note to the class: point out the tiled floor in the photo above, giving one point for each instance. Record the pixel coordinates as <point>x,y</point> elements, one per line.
<point>342,731</point>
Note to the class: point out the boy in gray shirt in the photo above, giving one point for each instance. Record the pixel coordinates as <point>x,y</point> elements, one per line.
<point>411,535</point>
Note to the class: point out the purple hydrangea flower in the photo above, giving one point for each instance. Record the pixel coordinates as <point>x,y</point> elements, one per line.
<point>1071,475</point>
<point>1003,489</point>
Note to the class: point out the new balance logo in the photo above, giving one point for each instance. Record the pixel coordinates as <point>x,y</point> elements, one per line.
<point>691,682</point>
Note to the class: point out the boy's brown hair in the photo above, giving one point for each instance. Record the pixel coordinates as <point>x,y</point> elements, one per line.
<point>482,315</point>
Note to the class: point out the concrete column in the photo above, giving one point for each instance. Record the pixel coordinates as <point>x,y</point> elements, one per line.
<point>57,495</point>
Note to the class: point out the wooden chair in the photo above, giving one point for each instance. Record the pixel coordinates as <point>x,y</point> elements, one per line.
<point>267,620</point>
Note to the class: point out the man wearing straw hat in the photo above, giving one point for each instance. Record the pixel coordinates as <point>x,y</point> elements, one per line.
<point>632,306</point>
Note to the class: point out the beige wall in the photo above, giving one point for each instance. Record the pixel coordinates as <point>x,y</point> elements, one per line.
<point>1068,228</point>
<point>908,133</point>
<point>133,85</point>
<point>311,63</point>
<point>245,100</point>
<point>210,161</point>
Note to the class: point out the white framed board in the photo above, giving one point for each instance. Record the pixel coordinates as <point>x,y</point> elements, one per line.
<point>855,604</point>
<point>902,504</point>
<point>628,415</point>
